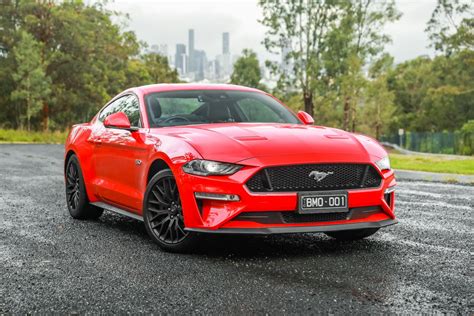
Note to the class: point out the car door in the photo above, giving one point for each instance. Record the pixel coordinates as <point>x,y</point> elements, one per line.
<point>118,156</point>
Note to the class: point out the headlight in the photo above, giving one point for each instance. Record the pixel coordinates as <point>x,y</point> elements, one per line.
<point>383,164</point>
<point>209,168</point>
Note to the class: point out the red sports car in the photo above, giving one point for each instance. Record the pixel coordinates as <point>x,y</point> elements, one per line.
<point>194,159</point>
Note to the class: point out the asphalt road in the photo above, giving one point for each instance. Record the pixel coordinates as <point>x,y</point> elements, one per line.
<point>52,263</point>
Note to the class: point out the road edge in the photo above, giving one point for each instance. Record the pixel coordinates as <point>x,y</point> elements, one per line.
<point>454,178</point>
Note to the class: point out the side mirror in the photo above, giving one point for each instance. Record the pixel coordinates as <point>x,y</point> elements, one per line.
<point>305,118</point>
<point>119,121</point>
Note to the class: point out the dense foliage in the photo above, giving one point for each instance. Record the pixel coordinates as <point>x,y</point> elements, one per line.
<point>61,61</point>
<point>434,94</point>
<point>336,67</point>
<point>327,44</point>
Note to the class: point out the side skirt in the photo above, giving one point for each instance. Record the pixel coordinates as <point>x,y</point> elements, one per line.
<point>117,210</point>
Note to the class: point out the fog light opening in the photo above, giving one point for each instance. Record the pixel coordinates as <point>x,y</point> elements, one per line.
<point>390,190</point>
<point>217,196</point>
<point>388,195</point>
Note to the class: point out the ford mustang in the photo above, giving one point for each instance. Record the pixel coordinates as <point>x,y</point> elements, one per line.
<point>192,159</point>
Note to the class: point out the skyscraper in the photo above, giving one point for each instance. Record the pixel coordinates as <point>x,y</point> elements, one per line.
<point>224,59</point>
<point>180,58</point>
<point>191,54</point>
<point>225,43</point>
<point>191,40</point>
<point>200,65</point>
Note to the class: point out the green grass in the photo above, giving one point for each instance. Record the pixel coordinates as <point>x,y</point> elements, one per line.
<point>22,136</point>
<point>441,164</point>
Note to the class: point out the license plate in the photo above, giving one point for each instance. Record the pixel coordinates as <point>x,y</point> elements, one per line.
<point>322,202</point>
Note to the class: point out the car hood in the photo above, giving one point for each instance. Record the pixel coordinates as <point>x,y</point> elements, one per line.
<point>234,142</point>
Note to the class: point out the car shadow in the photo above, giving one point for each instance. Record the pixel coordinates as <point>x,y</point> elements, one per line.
<point>282,245</point>
<point>255,246</point>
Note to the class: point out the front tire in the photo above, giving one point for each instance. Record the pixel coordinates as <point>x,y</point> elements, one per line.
<point>163,215</point>
<point>76,196</point>
<point>355,234</point>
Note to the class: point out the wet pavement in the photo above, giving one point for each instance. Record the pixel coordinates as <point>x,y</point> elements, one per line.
<point>50,262</point>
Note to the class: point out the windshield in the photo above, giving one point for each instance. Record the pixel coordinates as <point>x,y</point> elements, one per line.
<point>214,106</point>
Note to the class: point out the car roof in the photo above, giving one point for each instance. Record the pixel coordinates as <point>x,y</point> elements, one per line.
<point>191,86</point>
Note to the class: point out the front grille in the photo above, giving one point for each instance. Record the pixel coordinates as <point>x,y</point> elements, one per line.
<point>292,217</point>
<point>296,178</point>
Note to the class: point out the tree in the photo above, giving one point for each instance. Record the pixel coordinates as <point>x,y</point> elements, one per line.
<point>379,107</point>
<point>451,27</point>
<point>137,73</point>
<point>87,57</point>
<point>299,28</point>
<point>159,69</point>
<point>85,53</point>
<point>467,134</point>
<point>434,94</point>
<point>449,102</point>
<point>410,82</point>
<point>327,43</point>
<point>352,85</point>
<point>247,70</point>
<point>32,84</point>
<point>351,45</point>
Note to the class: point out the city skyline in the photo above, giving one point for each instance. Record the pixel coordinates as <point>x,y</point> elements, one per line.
<point>167,22</point>
<point>195,64</point>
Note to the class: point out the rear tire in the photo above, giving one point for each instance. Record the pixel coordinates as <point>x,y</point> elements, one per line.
<point>163,216</point>
<point>76,196</point>
<point>354,234</point>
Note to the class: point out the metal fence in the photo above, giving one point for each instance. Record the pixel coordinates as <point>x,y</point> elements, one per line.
<point>438,143</point>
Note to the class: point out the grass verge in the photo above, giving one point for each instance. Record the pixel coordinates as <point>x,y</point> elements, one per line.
<point>22,136</point>
<point>433,163</point>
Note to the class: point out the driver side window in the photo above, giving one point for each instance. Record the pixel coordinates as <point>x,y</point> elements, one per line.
<point>127,104</point>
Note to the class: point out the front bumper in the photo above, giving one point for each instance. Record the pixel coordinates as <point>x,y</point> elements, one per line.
<point>202,215</point>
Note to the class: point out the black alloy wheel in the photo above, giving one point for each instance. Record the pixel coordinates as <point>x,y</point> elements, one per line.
<point>164,205</point>
<point>73,193</point>
<point>163,214</point>
<point>76,195</point>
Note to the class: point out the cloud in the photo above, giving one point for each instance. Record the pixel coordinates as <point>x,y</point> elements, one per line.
<point>409,39</point>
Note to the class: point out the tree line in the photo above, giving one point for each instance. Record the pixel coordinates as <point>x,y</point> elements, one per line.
<point>336,67</point>
<point>60,61</point>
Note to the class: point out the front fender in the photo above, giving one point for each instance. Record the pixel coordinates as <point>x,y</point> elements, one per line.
<point>77,143</point>
<point>175,153</point>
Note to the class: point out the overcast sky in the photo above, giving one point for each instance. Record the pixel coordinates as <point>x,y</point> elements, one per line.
<point>168,21</point>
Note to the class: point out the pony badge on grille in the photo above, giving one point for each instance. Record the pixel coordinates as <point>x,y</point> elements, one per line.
<point>319,175</point>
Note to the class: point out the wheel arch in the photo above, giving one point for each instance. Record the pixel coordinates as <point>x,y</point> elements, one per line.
<point>156,166</point>
<point>83,155</point>
<point>67,157</point>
